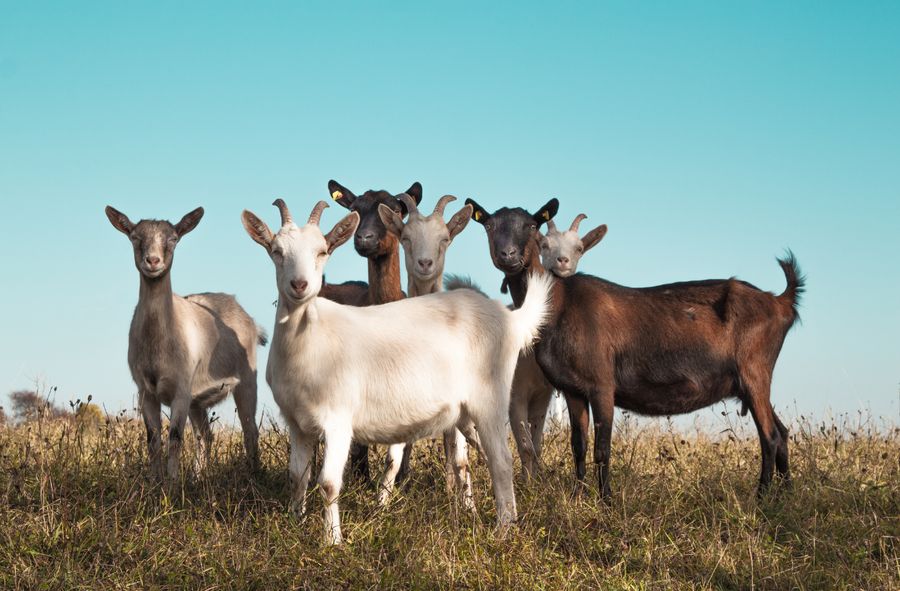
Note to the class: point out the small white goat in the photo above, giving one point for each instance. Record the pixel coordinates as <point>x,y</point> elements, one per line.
<point>561,251</point>
<point>190,352</point>
<point>391,373</point>
<point>425,240</point>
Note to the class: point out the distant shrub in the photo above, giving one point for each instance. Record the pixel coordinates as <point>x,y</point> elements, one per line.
<point>28,405</point>
<point>89,414</point>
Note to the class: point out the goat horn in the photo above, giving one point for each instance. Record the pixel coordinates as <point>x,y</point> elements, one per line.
<point>285,212</point>
<point>442,203</point>
<point>317,212</point>
<point>551,227</point>
<point>576,221</point>
<point>410,203</point>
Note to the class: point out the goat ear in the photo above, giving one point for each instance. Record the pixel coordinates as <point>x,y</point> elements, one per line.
<point>593,237</point>
<point>391,219</point>
<point>119,220</point>
<point>414,191</point>
<point>341,194</point>
<point>479,214</point>
<point>546,213</point>
<point>189,221</point>
<point>460,220</point>
<point>342,231</point>
<point>257,229</point>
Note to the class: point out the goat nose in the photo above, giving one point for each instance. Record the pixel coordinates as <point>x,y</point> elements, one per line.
<point>152,261</point>
<point>426,263</point>
<point>367,237</point>
<point>509,252</point>
<point>563,260</point>
<point>298,285</point>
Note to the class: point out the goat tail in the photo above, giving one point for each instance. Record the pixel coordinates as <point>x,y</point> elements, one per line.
<point>796,282</point>
<point>532,314</point>
<point>261,336</point>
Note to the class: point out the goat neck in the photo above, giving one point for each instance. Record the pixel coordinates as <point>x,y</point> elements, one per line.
<point>416,287</point>
<point>156,302</point>
<point>518,282</point>
<point>384,276</point>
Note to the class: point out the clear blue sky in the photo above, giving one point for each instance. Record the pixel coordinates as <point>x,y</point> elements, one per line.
<point>709,136</point>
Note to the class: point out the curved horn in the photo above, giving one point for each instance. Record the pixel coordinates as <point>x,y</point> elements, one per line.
<point>410,203</point>
<point>442,203</point>
<point>576,221</point>
<point>285,212</point>
<point>551,227</point>
<point>317,212</point>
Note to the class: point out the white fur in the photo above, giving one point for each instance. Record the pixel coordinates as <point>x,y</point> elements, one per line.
<point>393,373</point>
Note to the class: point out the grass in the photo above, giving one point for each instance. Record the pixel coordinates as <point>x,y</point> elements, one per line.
<point>77,511</point>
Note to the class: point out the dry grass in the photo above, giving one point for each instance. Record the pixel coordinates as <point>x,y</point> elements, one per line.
<point>77,512</point>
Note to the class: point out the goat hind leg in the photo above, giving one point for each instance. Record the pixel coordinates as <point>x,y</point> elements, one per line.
<point>499,461</point>
<point>603,407</point>
<point>781,451</point>
<point>245,401</point>
<point>391,468</point>
<point>203,432</point>
<point>456,452</point>
<point>518,421</point>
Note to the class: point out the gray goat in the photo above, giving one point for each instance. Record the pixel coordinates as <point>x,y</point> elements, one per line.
<point>188,353</point>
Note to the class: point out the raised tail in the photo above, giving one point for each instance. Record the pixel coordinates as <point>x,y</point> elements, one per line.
<point>532,314</point>
<point>796,283</point>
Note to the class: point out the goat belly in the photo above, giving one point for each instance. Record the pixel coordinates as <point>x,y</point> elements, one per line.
<point>397,425</point>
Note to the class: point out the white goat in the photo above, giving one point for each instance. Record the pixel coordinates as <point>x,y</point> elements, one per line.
<point>425,240</point>
<point>186,352</point>
<point>391,373</point>
<point>561,251</point>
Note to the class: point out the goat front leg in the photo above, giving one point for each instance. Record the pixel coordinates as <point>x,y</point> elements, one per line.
<point>337,446</point>
<point>392,465</point>
<point>579,417</point>
<point>603,407</point>
<point>151,412</point>
<point>181,404</point>
<point>300,466</point>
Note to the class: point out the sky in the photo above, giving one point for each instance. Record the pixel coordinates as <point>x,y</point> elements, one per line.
<point>708,136</point>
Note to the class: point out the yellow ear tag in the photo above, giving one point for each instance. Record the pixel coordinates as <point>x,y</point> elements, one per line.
<point>337,195</point>
<point>546,215</point>
<point>477,215</point>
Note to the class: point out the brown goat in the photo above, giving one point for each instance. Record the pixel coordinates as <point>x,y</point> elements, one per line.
<point>658,351</point>
<point>382,249</point>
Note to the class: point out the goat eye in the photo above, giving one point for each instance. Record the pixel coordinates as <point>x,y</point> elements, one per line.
<point>322,254</point>
<point>488,227</point>
<point>580,249</point>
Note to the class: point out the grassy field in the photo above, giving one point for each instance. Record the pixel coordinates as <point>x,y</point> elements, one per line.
<point>78,512</point>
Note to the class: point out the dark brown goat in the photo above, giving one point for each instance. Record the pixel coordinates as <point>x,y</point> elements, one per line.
<point>382,249</point>
<point>661,350</point>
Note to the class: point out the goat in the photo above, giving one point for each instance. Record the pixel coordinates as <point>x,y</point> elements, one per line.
<point>381,248</point>
<point>561,251</point>
<point>189,352</point>
<point>386,374</point>
<point>425,240</point>
<point>662,350</point>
